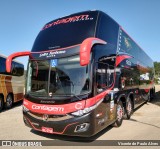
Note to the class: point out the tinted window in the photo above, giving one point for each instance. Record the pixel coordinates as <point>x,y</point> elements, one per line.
<point>140,63</point>
<point>62,76</point>
<point>105,54</point>
<point>105,61</point>
<point>67,31</point>
<point>2,65</point>
<point>127,45</point>
<point>104,76</point>
<point>17,69</point>
<point>108,30</point>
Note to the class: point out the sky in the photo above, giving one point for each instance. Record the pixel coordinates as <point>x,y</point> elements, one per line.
<point>21,21</point>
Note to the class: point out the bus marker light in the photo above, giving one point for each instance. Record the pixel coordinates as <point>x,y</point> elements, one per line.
<point>99,114</point>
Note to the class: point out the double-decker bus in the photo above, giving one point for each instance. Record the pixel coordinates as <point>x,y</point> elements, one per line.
<point>11,84</point>
<point>84,74</point>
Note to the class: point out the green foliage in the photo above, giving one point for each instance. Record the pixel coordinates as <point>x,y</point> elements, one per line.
<point>157,68</point>
<point>156,80</point>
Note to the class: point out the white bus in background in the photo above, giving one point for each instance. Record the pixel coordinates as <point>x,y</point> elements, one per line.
<point>11,84</point>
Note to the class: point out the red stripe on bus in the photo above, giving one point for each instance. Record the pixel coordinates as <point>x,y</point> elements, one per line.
<point>54,109</point>
<point>65,108</point>
<point>120,58</point>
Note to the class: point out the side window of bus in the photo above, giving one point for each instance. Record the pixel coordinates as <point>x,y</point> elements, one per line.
<point>128,78</point>
<point>105,62</point>
<point>126,45</point>
<point>2,65</point>
<point>17,69</point>
<point>145,74</point>
<point>104,76</point>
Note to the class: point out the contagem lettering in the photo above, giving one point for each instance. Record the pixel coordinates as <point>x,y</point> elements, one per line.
<point>47,108</point>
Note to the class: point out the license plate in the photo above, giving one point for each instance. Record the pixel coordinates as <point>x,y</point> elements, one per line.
<point>47,130</point>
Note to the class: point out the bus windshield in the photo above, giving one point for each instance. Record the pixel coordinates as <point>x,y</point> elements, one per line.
<point>57,77</point>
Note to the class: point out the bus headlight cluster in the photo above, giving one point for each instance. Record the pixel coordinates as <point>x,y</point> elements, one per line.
<point>86,110</point>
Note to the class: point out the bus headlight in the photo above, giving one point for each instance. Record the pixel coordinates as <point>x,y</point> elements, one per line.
<point>82,112</point>
<point>86,110</point>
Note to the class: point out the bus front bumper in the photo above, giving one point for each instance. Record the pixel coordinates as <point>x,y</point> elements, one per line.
<point>62,125</point>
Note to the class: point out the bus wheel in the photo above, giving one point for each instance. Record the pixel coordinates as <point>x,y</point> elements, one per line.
<point>9,101</point>
<point>1,103</point>
<point>129,108</point>
<point>120,112</point>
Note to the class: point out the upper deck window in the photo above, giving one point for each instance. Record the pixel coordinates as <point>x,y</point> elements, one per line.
<point>67,31</point>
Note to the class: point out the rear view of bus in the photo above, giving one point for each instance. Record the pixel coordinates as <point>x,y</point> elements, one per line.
<point>11,84</point>
<point>77,78</point>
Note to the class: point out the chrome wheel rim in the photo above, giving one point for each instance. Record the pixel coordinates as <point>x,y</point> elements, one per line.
<point>9,101</point>
<point>129,107</point>
<point>119,112</point>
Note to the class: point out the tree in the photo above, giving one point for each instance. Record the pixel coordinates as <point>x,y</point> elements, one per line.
<point>157,68</point>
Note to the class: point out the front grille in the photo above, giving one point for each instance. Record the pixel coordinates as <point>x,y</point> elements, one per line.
<point>50,117</point>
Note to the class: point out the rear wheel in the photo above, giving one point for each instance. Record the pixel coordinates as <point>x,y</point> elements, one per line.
<point>1,103</point>
<point>151,95</point>
<point>9,101</point>
<point>120,112</point>
<point>129,108</point>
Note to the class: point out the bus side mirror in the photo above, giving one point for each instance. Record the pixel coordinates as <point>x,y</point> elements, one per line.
<point>85,49</point>
<point>12,56</point>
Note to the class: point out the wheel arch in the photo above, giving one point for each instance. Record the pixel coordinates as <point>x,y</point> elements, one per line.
<point>122,98</point>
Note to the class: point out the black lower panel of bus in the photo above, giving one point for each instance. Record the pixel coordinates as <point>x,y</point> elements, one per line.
<point>63,125</point>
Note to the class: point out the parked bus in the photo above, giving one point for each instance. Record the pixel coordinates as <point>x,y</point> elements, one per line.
<point>11,84</point>
<point>84,74</point>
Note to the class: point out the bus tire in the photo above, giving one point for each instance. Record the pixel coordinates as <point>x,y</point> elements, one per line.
<point>9,101</point>
<point>120,112</point>
<point>129,108</point>
<point>149,96</point>
<point>1,103</point>
<point>152,94</point>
